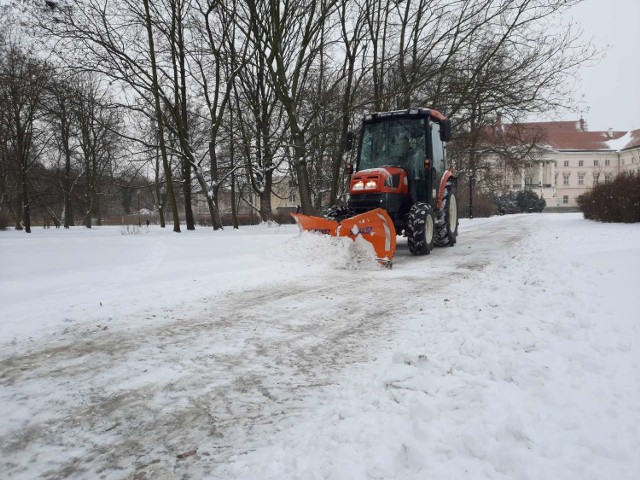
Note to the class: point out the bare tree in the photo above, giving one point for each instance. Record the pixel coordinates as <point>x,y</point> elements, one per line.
<point>23,82</point>
<point>155,89</point>
<point>258,128</point>
<point>296,75</point>
<point>289,36</point>
<point>220,56</point>
<point>352,24</point>
<point>61,114</point>
<point>99,124</point>
<point>118,41</point>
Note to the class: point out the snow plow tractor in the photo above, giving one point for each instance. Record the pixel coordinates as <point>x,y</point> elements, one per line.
<point>401,184</point>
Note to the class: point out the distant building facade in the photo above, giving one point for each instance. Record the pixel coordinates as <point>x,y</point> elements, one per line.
<point>569,159</point>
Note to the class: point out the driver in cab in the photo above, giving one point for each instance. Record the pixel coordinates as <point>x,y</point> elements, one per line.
<point>408,156</point>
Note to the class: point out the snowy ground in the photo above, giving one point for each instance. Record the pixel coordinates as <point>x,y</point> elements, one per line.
<point>263,354</point>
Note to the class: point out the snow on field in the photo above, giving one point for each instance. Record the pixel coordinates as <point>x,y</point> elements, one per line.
<point>265,354</point>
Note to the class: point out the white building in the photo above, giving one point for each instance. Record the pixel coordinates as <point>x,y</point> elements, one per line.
<point>569,159</point>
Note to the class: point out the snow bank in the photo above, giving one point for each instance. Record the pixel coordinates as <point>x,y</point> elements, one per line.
<point>318,250</point>
<point>262,353</point>
<point>530,370</point>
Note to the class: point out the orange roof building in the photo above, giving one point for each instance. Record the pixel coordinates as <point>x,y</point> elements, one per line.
<point>570,159</point>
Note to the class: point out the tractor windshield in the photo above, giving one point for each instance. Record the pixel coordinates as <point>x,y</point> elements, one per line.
<point>394,141</point>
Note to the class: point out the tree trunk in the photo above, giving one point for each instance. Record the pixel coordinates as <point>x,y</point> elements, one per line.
<point>302,173</point>
<point>212,197</point>
<point>186,191</point>
<point>266,213</point>
<point>89,208</point>
<point>98,210</point>
<point>234,209</point>
<point>159,197</point>
<point>68,206</point>
<point>18,213</point>
<point>338,157</point>
<point>26,210</point>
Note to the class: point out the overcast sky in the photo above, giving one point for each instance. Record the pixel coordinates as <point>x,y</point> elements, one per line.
<point>611,88</point>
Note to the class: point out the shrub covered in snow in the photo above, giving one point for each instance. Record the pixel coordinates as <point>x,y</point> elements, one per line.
<point>529,201</point>
<point>618,201</point>
<point>134,229</point>
<point>521,202</point>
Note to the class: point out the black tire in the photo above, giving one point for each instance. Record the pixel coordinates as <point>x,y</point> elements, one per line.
<point>421,229</point>
<point>447,223</point>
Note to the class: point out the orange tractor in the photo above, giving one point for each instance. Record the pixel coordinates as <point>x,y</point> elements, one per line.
<point>401,183</point>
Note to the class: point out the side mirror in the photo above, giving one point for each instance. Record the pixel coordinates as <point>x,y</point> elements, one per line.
<point>348,141</point>
<point>445,130</point>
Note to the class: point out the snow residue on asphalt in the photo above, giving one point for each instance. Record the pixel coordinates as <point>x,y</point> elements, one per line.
<point>263,353</point>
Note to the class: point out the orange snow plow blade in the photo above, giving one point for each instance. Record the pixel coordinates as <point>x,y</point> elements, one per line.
<point>374,226</point>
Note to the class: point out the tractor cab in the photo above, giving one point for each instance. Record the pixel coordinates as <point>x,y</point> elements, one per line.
<point>401,157</point>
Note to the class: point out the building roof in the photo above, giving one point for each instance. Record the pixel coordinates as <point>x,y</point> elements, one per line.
<point>574,135</point>
<point>635,139</point>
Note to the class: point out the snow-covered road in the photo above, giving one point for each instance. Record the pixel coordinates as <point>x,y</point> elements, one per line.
<point>265,358</point>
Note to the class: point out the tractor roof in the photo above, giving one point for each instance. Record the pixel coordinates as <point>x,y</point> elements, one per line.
<point>408,112</point>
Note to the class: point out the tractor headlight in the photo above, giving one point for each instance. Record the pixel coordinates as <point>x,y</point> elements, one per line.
<point>371,185</point>
<point>359,185</point>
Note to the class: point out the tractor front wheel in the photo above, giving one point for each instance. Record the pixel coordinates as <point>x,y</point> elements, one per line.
<point>421,229</point>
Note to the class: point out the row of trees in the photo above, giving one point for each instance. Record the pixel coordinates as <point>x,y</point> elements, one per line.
<point>59,141</point>
<point>210,96</point>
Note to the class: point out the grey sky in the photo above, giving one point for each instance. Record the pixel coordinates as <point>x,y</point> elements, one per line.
<point>611,88</point>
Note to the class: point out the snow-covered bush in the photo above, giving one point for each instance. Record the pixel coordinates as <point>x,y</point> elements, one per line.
<point>528,201</point>
<point>522,202</point>
<point>618,201</point>
<point>507,204</point>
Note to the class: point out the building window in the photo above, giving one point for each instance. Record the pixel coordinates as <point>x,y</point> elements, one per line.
<point>565,199</point>
<point>581,179</point>
<point>581,163</point>
<point>566,163</point>
<point>596,177</point>
<point>608,177</point>
<point>565,177</point>
<point>596,163</point>
<point>607,162</point>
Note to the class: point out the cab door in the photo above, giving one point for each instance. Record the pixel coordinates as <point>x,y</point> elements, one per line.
<point>437,157</point>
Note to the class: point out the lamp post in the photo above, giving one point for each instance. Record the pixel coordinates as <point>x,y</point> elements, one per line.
<point>139,222</point>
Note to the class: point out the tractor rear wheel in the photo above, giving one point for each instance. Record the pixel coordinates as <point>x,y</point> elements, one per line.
<point>421,229</point>
<point>447,225</point>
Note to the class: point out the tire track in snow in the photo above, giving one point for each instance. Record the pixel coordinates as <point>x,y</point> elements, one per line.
<point>128,402</point>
